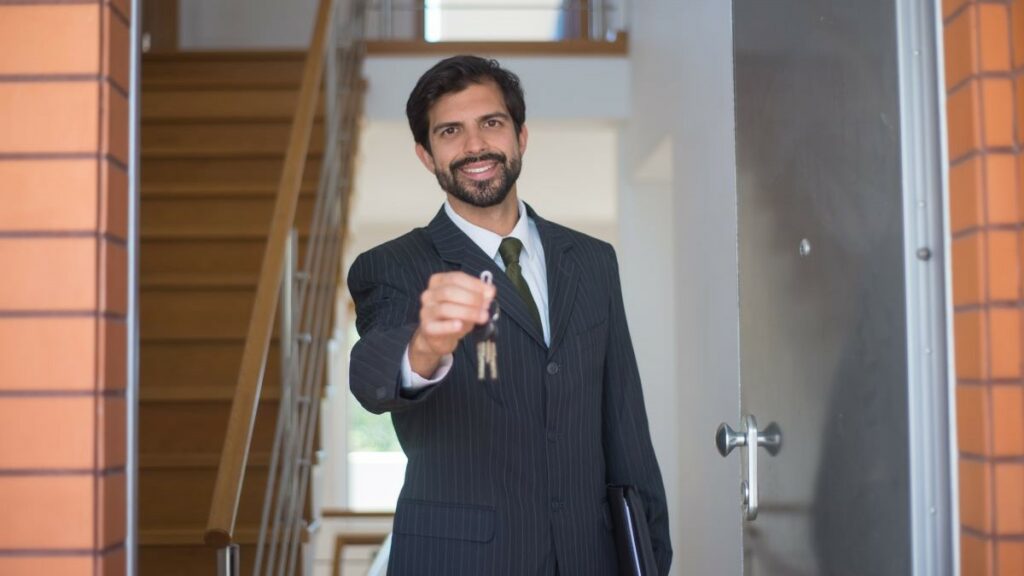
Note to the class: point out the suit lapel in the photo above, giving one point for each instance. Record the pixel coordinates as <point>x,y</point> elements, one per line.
<point>457,249</point>
<point>563,277</point>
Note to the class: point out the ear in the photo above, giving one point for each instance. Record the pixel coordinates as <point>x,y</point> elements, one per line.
<point>425,157</point>
<point>523,137</point>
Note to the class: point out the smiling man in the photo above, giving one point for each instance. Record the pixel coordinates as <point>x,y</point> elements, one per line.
<point>506,476</point>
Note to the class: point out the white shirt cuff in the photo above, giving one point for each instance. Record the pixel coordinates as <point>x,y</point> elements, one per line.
<point>413,381</point>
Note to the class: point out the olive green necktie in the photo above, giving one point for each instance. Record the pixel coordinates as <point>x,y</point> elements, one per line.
<point>510,249</point>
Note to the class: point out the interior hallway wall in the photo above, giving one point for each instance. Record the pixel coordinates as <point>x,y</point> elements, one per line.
<point>682,92</point>
<point>984,45</point>
<point>64,133</point>
<point>645,253</point>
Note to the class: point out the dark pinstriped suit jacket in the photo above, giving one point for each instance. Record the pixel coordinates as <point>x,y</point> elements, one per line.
<point>506,477</point>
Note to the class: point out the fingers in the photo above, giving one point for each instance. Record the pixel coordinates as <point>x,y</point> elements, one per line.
<point>462,280</point>
<point>457,296</point>
<point>450,311</point>
<point>453,304</point>
<point>442,328</point>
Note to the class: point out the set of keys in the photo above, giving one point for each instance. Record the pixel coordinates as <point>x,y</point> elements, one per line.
<point>487,344</point>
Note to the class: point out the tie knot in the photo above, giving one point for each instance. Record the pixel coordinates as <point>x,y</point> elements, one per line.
<point>510,249</point>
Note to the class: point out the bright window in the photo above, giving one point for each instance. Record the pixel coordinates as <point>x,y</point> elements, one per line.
<point>524,20</point>
<point>376,464</point>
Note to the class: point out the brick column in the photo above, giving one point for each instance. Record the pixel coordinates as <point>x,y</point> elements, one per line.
<point>64,80</point>
<point>984,45</point>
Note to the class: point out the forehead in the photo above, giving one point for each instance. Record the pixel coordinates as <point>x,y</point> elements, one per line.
<point>474,101</point>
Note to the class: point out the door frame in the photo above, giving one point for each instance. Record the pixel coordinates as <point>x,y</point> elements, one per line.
<point>931,409</point>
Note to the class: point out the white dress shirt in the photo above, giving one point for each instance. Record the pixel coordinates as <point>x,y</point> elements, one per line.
<point>534,272</point>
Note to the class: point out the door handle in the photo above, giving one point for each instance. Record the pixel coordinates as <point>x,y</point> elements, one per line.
<point>726,439</point>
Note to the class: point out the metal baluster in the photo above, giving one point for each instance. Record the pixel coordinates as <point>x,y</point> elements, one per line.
<point>312,319</point>
<point>291,444</point>
<point>314,263</point>
<point>323,301</point>
<point>387,16</point>
<point>310,351</point>
<point>284,425</point>
<point>306,350</point>
<point>288,447</point>
<point>227,560</point>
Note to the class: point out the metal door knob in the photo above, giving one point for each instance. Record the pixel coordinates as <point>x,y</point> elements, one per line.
<point>726,439</point>
<point>770,439</point>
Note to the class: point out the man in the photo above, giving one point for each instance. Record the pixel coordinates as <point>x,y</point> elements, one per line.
<point>506,476</point>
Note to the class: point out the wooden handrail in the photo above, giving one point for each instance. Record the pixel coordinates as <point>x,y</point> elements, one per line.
<point>231,473</point>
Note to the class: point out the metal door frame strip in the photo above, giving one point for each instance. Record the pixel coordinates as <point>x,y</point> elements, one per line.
<point>132,356</point>
<point>931,404</point>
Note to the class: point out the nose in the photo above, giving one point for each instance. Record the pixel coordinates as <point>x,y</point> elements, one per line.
<point>474,142</point>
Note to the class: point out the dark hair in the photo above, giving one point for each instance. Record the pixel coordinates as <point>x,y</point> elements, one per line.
<point>454,75</point>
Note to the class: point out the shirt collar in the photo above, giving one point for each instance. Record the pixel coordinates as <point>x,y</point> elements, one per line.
<point>489,241</point>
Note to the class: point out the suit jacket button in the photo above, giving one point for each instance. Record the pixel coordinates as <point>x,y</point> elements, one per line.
<point>556,505</point>
<point>552,368</point>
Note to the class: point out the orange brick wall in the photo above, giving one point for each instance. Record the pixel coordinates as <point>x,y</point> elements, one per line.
<point>64,79</point>
<point>984,45</point>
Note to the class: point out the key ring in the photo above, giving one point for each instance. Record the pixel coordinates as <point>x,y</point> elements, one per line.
<point>488,278</point>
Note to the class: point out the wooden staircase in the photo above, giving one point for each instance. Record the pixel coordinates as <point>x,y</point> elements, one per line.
<point>215,128</point>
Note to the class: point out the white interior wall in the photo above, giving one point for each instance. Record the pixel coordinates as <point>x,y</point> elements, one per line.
<point>646,259</point>
<point>256,24</point>
<point>556,87</point>
<point>682,115</point>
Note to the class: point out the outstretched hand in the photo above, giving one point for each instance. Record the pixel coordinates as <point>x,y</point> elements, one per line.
<point>453,304</point>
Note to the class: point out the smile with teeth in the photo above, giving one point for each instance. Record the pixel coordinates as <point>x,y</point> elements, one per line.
<point>479,170</point>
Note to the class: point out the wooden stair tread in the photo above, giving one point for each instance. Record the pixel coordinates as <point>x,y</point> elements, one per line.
<point>225,55</point>
<point>194,281</point>
<point>176,85</point>
<point>200,342</point>
<point>209,460</point>
<point>241,171</point>
<point>240,119</point>
<point>208,235</point>
<point>213,155</point>
<point>222,70</point>
<point>191,536</point>
<point>199,393</point>
<point>192,340</point>
<point>222,106</point>
<point>219,190</point>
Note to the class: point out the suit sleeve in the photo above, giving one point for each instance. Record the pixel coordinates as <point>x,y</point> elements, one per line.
<point>387,314</point>
<point>629,454</point>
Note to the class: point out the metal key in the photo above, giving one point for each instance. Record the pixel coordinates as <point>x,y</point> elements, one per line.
<point>487,344</point>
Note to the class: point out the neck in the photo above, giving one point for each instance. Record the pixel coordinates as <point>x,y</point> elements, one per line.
<point>500,218</point>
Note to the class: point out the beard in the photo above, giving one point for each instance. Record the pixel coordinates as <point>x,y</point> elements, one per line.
<point>480,193</point>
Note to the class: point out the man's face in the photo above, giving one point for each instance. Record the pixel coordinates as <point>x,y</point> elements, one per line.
<point>475,153</point>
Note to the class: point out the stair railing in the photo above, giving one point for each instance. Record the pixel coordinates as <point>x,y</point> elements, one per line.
<point>303,285</point>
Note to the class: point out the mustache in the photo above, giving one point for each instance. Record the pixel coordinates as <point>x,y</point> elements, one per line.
<point>496,156</point>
